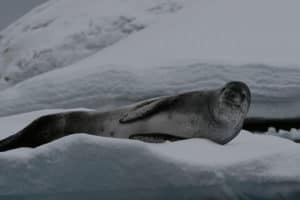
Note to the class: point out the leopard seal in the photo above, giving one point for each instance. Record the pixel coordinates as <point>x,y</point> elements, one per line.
<point>216,114</point>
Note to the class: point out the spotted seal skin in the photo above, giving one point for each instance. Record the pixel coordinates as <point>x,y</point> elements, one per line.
<point>217,115</point>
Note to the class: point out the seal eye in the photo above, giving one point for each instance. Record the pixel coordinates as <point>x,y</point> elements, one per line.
<point>222,90</point>
<point>243,96</point>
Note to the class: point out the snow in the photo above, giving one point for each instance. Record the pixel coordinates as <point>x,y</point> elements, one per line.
<point>293,134</point>
<point>231,32</point>
<point>98,166</point>
<point>179,53</point>
<point>59,33</point>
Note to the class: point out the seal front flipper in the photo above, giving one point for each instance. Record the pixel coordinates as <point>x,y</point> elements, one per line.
<point>146,109</point>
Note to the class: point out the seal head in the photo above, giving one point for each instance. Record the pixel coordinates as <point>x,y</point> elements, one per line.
<point>236,94</point>
<point>231,108</point>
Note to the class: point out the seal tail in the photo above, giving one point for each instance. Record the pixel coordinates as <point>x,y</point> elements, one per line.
<point>10,142</point>
<point>41,131</point>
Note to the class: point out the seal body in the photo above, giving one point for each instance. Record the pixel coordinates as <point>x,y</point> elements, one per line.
<point>217,115</point>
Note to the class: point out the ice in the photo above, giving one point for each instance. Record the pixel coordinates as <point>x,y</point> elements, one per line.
<point>293,134</point>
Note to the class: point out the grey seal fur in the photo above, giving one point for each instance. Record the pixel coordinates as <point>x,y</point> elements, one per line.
<point>217,115</point>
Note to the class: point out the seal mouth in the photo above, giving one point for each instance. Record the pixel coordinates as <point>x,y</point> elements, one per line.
<point>232,103</point>
<point>233,98</point>
<point>155,137</point>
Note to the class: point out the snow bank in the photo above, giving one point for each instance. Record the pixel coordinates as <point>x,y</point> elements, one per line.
<point>203,46</point>
<point>59,33</point>
<point>275,91</point>
<point>250,166</point>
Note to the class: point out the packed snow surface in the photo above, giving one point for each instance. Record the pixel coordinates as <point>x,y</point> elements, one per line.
<point>250,166</point>
<point>202,46</point>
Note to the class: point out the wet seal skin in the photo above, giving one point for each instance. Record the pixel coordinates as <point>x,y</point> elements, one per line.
<point>217,115</point>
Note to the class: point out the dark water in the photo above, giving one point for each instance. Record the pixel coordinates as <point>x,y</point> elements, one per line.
<point>247,192</point>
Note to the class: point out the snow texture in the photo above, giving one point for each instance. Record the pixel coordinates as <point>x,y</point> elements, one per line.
<point>250,166</point>
<point>225,41</point>
<point>59,33</point>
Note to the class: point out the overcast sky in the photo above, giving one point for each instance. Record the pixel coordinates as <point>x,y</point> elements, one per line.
<point>10,10</point>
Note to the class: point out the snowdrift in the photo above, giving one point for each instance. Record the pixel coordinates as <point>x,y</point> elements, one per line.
<point>83,166</point>
<point>59,33</point>
<point>202,46</point>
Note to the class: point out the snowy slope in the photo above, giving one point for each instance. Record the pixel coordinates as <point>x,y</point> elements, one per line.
<point>250,166</point>
<point>203,46</point>
<point>59,33</point>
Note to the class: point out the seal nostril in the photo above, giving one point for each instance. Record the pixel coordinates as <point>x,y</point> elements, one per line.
<point>231,94</point>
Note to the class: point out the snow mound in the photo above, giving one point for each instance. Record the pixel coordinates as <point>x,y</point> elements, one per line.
<point>59,33</point>
<point>202,46</point>
<point>115,168</point>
